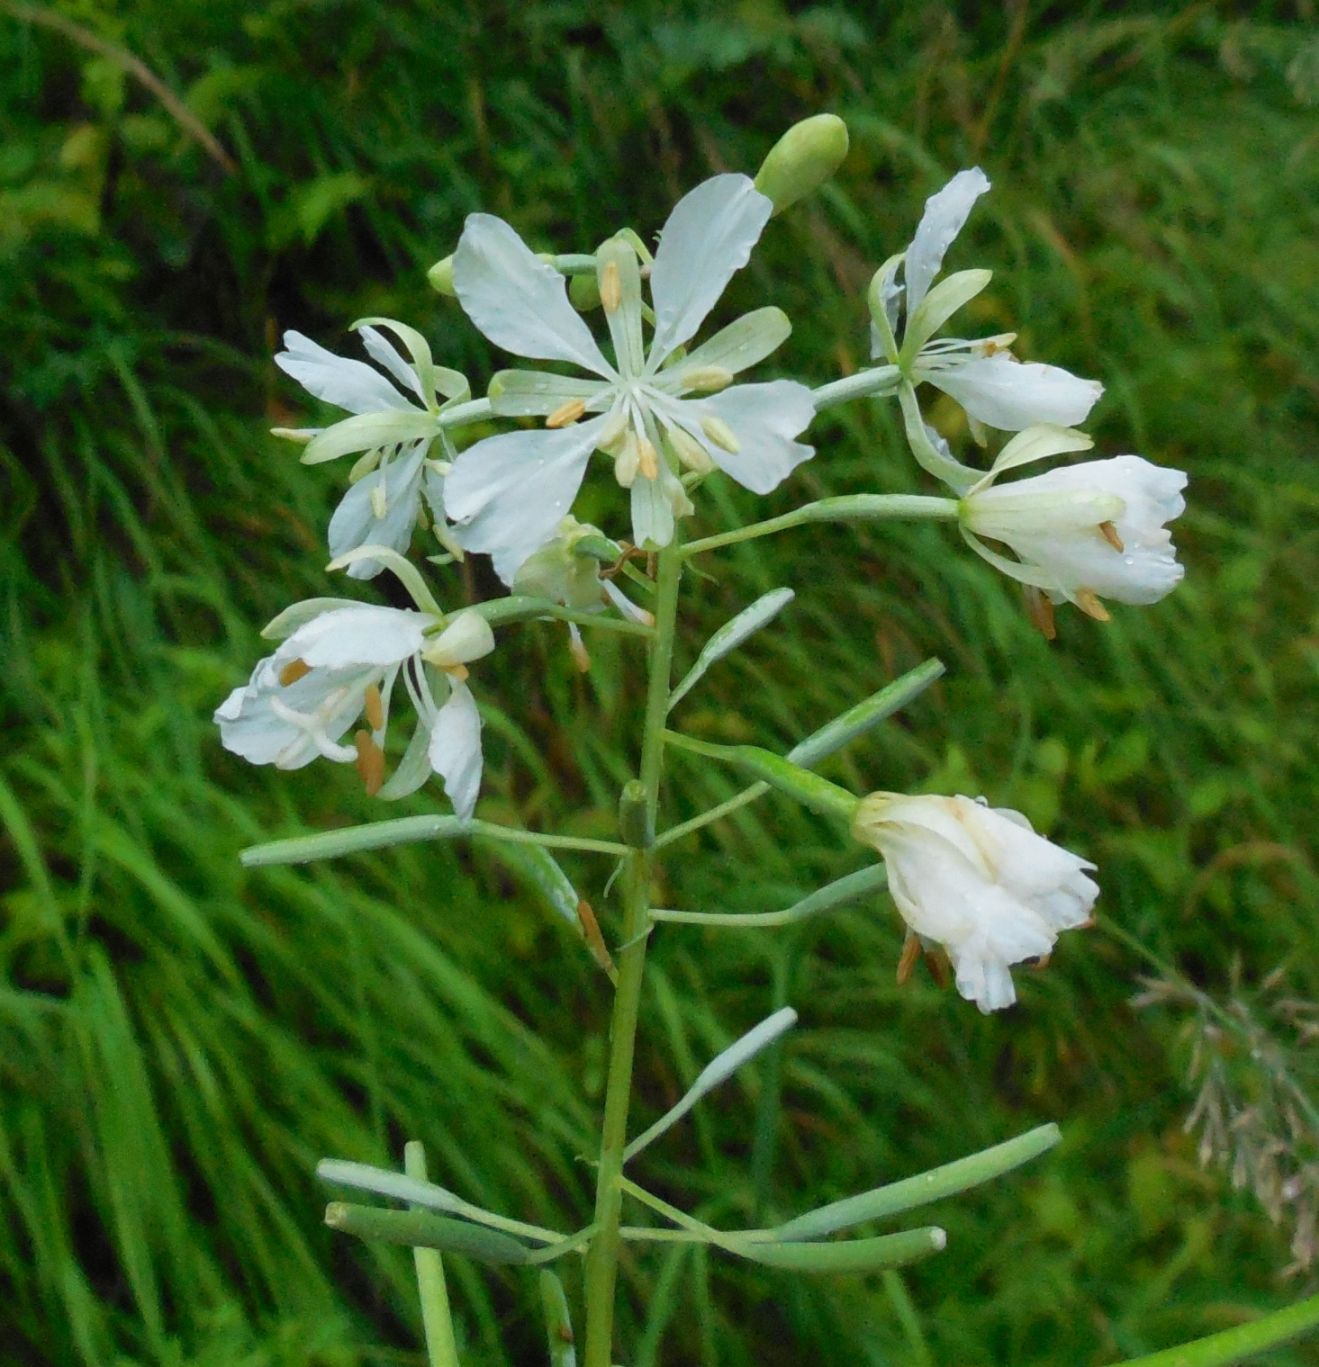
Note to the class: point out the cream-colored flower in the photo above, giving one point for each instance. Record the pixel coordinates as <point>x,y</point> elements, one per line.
<point>977,880</point>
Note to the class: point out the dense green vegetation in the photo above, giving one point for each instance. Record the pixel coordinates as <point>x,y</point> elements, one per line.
<point>180,1041</point>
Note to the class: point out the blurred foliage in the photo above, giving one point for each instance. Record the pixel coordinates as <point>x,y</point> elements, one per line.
<point>179,1041</point>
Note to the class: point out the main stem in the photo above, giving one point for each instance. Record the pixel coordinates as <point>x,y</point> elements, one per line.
<point>602,1259</point>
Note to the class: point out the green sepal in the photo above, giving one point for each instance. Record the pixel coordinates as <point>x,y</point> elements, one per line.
<point>440,278</point>
<point>558,1321</point>
<point>938,306</point>
<point>367,431</point>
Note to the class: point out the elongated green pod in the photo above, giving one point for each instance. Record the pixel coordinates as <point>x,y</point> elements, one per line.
<point>421,1229</point>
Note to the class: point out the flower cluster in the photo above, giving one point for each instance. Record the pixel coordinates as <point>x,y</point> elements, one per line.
<point>499,475</point>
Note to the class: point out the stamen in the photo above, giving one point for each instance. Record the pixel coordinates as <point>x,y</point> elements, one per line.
<point>911,951</point>
<point>1039,611</point>
<point>566,413</point>
<point>691,454</point>
<point>374,707</point>
<point>647,461</point>
<point>708,379</point>
<point>379,500</point>
<point>370,762</point>
<point>293,671</point>
<point>1109,530</point>
<point>1088,601</point>
<point>577,649</point>
<point>459,672</point>
<point>611,287</point>
<point>721,434</point>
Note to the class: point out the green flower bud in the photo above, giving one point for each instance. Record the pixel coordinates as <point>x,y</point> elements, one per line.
<point>440,276</point>
<point>802,159</point>
<point>584,292</point>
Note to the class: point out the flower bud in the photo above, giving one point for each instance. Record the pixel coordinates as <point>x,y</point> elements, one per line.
<point>440,276</point>
<point>802,160</point>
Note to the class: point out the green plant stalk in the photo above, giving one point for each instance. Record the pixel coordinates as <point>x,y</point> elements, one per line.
<point>602,1260</point>
<point>845,508</point>
<point>1235,1345</point>
<point>437,1323</point>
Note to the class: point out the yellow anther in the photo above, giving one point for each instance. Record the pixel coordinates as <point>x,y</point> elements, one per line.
<point>1088,601</point>
<point>1109,530</point>
<point>707,379</point>
<point>459,672</point>
<point>647,461</point>
<point>374,707</point>
<point>379,502</point>
<point>293,671</point>
<point>721,434</point>
<point>370,762</point>
<point>566,413</point>
<point>611,287</point>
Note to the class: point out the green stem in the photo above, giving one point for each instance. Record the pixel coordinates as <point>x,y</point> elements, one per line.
<point>441,1349</point>
<point>377,835</point>
<point>1234,1345</point>
<point>738,800</point>
<point>602,1260</point>
<point>846,508</point>
<point>876,383</point>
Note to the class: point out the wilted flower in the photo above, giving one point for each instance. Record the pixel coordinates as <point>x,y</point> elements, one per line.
<point>981,375</point>
<point>654,409</point>
<point>977,880</point>
<point>1081,532</point>
<point>340,661</point>
<point>394,425</point>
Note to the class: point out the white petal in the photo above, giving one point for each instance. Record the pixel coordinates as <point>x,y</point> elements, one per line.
<point>352,385</point>
<point>945,215</point>
<point>383,354</point>
<point>509,493</point>
<point>1012,395</point>
<point>359,636</point>
<point>455,749</point>
<point>764,418</point>
<point>467,637</point>
<point>518,301</point>
<point>1076,558</point>
<point>254,726</point>
<point>708,237</point>
<point>355,523</point>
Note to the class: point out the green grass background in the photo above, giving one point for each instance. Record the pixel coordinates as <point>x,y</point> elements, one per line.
<point>180,1041</point>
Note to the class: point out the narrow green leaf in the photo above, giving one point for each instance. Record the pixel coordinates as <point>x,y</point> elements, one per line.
<point>718,1070</point>
<point>856,721</point>
<point>730,636</point>
<point>923,1188</point>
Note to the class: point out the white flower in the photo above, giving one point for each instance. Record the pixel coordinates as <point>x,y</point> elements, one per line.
<point>394,425</point>
<point>1081,532</point>
<point>340,661</point>
<point>977,880</point>
<point>653,409</point>
<point>982,375</point>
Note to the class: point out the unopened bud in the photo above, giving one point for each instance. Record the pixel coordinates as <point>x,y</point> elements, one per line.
<point>802,160</point>
<point>584,292</point>
<point>440,276</point>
